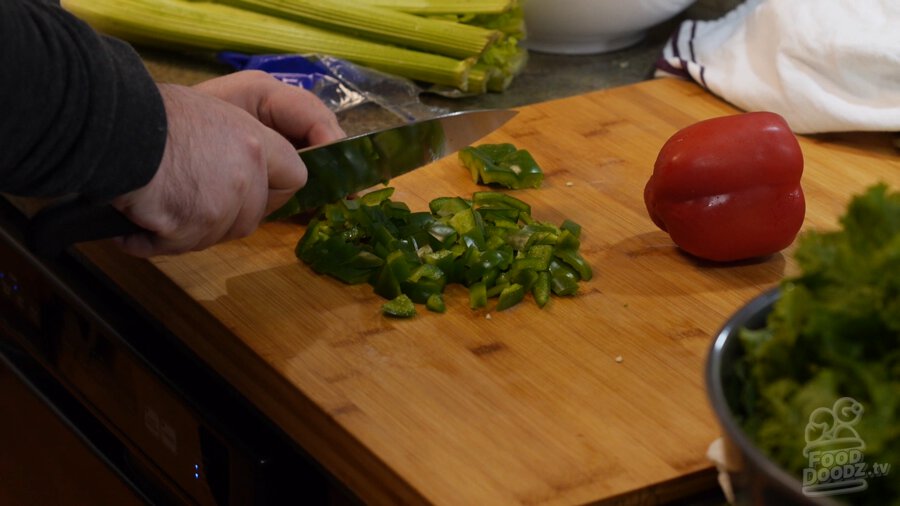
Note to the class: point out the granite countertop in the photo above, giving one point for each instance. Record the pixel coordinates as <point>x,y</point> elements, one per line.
<point>545,77</point>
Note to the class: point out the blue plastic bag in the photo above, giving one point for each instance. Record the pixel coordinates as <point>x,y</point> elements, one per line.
<point>341,85</point>
<point>297,70</point>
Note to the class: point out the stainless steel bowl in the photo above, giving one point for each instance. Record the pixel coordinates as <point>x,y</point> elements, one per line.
<point>754,478</point>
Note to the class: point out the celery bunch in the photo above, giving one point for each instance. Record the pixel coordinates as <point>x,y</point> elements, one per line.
<point>470,45</point>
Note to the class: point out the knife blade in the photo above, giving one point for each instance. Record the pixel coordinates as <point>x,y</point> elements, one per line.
<point>350,165</point>
<point>335,170</point>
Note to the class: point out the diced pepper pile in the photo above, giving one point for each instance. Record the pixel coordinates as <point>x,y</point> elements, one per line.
<point>490,244</point>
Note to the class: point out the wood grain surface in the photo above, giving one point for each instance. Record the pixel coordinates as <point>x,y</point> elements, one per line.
<point>528,406</point>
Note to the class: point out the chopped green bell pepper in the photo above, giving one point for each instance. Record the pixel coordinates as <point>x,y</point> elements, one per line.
<point>376,197</point>
<point>490,244</point>
<point>502,164</point>
<point>541,289</point>
<point>478,295</point>
<point>448,206</point>
<point>574,260</point>
<point>399,307</point>
<point>572,227</point>
<point>563,279</point>
<point>499,201</point>
<point>435,303</point>
<point>510,296</point>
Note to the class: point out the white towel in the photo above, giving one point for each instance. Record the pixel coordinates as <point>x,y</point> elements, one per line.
<point>825,65</point>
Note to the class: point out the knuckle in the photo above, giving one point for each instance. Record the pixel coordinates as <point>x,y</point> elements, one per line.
<point>255,76</point>
<point>255,149</point>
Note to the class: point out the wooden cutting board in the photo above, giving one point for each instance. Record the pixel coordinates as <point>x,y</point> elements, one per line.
<point>524,406</point>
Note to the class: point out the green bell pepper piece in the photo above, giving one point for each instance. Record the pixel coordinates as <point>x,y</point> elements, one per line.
<point>400,306</point>
<point>397,268</point>
<point>448,206</point>
<point>426,271</point>
<point>510,296</point>
<point>421,290</point>
<point>498,200</point>
<point>495,214</point>
<point>386,284</point>
<point>568,240</point>
<point>541,289</point>
<point>435,303</point>
<point>541,252</point>
<point>574,260</point>
<point>317,231</point>
<point>502,164</point>
<point>477,295</point>
<point>526,278</point>
<point>563,279</point>
<point>531,234</point>
<point>376,197</point>
<point>424,281</point>
<point>481,263</point>
<point>470,227</point>
<point>443,235</point>
<point>442,259</point>
<point>495,290</point>
<point>572,227</point>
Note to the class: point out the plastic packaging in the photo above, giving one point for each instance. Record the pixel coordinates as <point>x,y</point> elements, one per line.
<point>341,85</point>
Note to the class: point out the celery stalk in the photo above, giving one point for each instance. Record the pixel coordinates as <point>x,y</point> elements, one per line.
<point>438,7</point>
<point>216,27</point>
<point>380,24</point>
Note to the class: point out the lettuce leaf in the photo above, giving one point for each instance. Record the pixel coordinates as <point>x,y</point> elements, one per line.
<point>833,333</point>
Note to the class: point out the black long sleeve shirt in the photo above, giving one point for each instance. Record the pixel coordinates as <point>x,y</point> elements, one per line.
<point>79,113</point>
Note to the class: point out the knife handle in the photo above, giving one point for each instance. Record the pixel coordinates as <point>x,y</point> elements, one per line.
<point>55,228</point>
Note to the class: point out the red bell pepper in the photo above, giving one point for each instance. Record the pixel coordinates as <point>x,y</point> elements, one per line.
<point>728,188</point>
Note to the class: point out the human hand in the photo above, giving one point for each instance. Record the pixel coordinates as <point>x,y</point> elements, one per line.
<point>230,159</point>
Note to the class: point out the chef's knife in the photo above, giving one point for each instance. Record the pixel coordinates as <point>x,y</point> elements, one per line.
<point>350,165</point>
<point>336,170</point>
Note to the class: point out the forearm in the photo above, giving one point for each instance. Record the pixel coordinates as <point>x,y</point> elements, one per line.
<point>80,112</point>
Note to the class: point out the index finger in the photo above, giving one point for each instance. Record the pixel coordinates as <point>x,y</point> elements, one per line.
<point>291,111</point>
<point>299,115</point>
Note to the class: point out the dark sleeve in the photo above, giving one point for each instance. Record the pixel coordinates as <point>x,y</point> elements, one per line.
<point>79,113</point>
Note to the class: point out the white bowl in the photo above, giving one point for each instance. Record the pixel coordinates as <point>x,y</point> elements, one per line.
<point>593,26</point>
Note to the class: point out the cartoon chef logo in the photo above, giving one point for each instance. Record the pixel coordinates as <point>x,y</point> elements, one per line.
<point>835,450</point>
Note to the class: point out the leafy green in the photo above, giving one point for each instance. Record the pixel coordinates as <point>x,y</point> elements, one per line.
<point>834,333</point>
